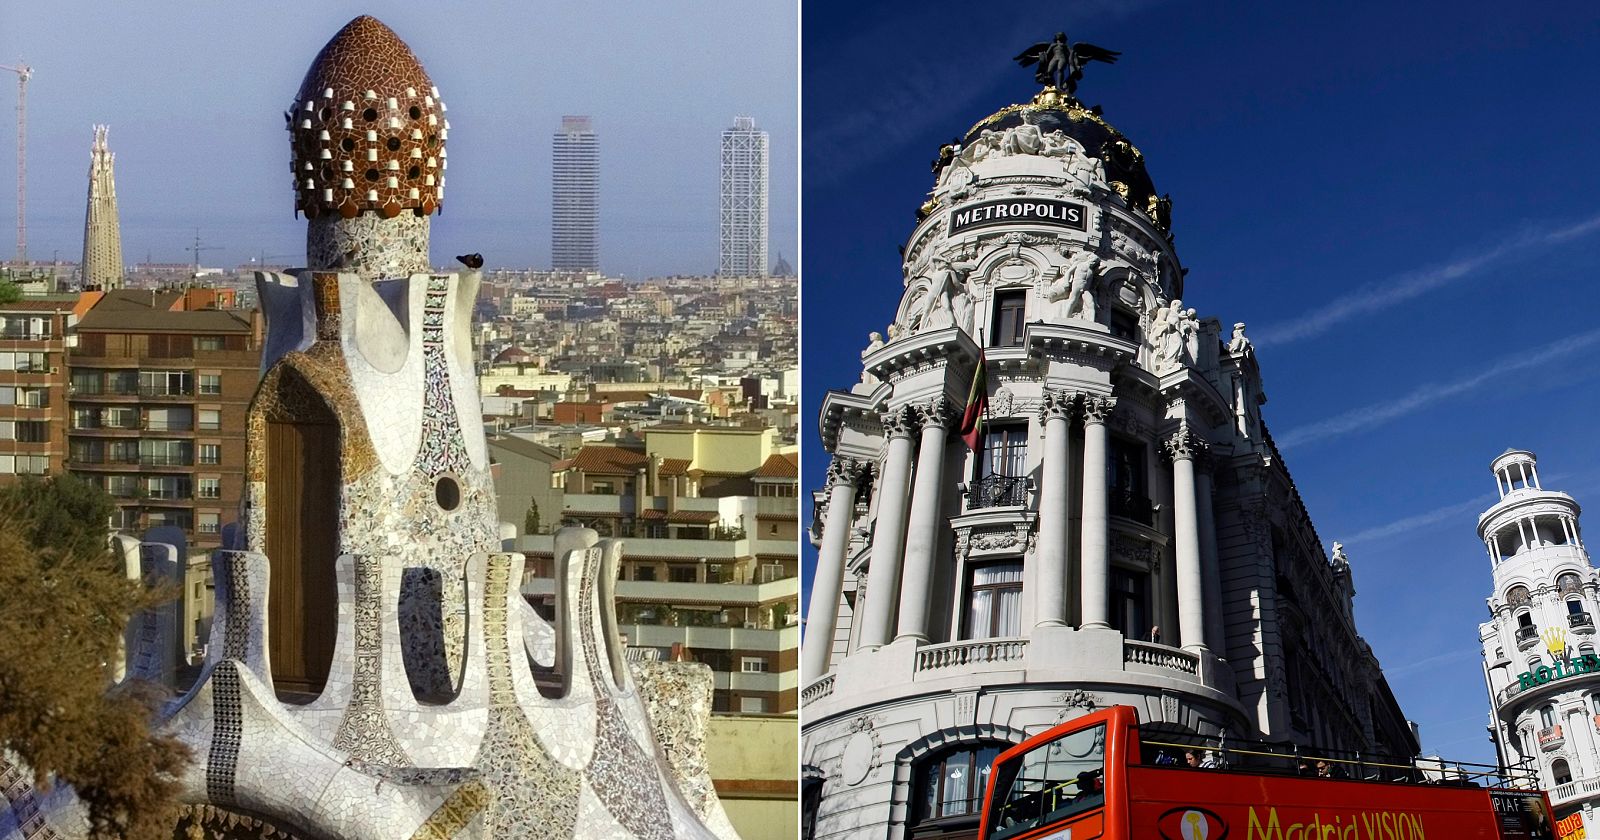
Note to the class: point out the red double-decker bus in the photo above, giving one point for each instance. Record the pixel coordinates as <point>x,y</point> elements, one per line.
<point>1093,777</point>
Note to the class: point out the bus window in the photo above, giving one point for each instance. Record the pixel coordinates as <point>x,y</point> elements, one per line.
<point>1049,783</point>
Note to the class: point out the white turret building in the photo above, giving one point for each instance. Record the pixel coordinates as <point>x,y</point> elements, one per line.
<point>1539,643</point>
<point>1125,531</point>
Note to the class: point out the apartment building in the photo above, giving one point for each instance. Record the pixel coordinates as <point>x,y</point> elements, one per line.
<point>35,335</point>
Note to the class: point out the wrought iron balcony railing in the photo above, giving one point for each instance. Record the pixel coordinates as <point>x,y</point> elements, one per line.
<point>1580,619</point>
<point>1527,637</point>
<point>1131,505</point>
<point>997,491</point>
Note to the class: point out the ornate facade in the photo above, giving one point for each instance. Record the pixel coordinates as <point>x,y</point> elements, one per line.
<point>373,669</point>
<point>1539,642</point>
<point>1125,532</point>
<point>102,232</point>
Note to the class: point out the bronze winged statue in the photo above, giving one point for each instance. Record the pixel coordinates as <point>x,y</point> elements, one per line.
<point>1061,64</point>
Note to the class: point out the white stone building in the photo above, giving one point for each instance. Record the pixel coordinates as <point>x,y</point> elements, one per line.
<point>1125,533</point>
<point>1539,643</point>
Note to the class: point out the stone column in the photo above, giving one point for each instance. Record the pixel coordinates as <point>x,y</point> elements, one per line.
<point>1096,593</point>
<point>1050,602</point>
<point>926,524</point>
<point>822,613</point>
<point>1210,569</point>
<point>1182,447</point>
<point>889,536</point>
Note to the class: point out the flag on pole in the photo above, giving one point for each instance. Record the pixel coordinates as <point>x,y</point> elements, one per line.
<point>977,405</point>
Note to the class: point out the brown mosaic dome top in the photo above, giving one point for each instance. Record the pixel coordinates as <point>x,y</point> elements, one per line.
<point>367,128</point>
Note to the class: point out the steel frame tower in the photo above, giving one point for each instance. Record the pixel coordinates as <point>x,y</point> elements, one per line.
<point>744,200</point>
<point>24,73</point>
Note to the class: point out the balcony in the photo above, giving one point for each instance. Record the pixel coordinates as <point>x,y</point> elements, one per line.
<point>972,655</point>
<point>102,460</point>
<point>1580,620</point>
<point>1550,738</point>
<point>1527,637</point>
<point>169,425</point>
<point>164,392</point>
<point>997,491</point>
<point>162,459</point>
<point>1128,504</point>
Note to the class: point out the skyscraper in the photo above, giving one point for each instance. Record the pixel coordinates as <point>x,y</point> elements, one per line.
<point>575,197</point>
<point>102,238</point>
<point>744,200</point>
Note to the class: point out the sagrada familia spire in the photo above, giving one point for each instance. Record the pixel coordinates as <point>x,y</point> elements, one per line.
<point>102,234</point>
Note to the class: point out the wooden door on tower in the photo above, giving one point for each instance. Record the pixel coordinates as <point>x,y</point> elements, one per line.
<point>302,542</point>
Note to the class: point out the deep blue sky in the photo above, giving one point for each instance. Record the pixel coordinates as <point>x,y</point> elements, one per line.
<point>1399,199</point>
<point>194,91</point>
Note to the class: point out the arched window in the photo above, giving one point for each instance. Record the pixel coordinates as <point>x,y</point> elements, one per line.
<point>1559,772</point>
<point>1547,716</point>
<point>1518,596</point>
<point>1569,583</point>
<point>950,785</point>
<point>1594,703</point>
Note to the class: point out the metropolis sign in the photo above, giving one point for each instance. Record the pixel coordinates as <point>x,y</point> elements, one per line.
<point>1010,211</point>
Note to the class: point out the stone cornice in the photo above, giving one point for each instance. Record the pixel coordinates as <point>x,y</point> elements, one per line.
<point>1088,343</point>
<point>1520,503</point>
<point>925,348</point>
<point>1186,384</point>
<point>839,407</point>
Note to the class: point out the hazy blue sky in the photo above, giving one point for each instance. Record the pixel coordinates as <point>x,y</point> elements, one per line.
<point>1400,199</point>
<point>194,93</point>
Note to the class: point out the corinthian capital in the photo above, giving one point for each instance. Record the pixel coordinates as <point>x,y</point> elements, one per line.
<point>1097,408</point>
<point>1059,405</point>
<point>1184,445</point>
<point>900,422</point>
<point>938,412</point>
<point>846,471</point>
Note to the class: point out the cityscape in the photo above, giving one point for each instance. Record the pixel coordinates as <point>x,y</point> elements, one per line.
<point>552,494</point>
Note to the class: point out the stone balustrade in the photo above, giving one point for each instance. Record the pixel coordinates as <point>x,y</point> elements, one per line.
<point>1160,656</point>
<point>966,653</point>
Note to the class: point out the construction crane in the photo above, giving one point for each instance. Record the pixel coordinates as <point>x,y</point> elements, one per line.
<point>196,248</point>
<point>24,73</point>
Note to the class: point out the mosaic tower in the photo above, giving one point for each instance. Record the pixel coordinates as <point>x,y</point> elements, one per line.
<point>102,235</point>
<point>575,196</point>
<point>744,200</point>
<point>373,669</point>
<point>1119,530</point>
<point>1539,642</point>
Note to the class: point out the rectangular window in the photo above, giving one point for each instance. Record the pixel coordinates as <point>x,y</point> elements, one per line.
<point>33,465</point>
<point>1124,324</point>
<point>1130,603</point>
<point>994,602</point>
<point>1002,468</point>
<point>210,384</point>
<point>208,343</point>
<point>753,664</point>
<point>8,430</point>
<point>210,420</point>
<point>208,523</point>
<point>33,431</point>
<point>752,705</point>
<point>166,383</point>
<point>683,574</point>
<point>644,572</point>
<point>210,453</point>
<point>1010,316</point>
<point>87,382</point>
<point>122,486</point>
<point>209,488</point>
<point>1127,481</point>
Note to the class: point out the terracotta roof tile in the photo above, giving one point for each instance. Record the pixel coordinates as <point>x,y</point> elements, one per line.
<point>779,466</point>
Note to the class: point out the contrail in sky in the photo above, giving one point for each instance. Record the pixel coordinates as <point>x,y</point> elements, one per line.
<point>1372,415</point>
<point>1389,292</point>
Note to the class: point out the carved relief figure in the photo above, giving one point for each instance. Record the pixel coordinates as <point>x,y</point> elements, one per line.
<point>949,299</point>
<point>1072,295</point>
<point>1239,344</point>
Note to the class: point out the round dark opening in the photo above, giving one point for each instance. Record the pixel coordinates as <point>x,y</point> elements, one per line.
<point>370,114</point>
<point>413,172</point>
<point>372,174</point>
<point>347,144</point>
<point>326,114</point>
<point>416,113</point>
<point>394,144</point>
<point>433,140</point>
<point>447,493</point>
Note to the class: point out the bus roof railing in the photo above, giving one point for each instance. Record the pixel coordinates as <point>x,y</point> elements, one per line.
<point>1294,759</point>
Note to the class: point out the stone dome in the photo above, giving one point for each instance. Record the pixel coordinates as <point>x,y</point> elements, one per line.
<point>367,128</point>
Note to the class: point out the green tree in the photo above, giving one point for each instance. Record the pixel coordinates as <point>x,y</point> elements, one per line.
<point>9,292</point>
<point>530,522</point>
<point>65,606</point>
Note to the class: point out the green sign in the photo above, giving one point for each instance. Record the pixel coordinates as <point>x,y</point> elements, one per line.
<point>1588,663</point>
